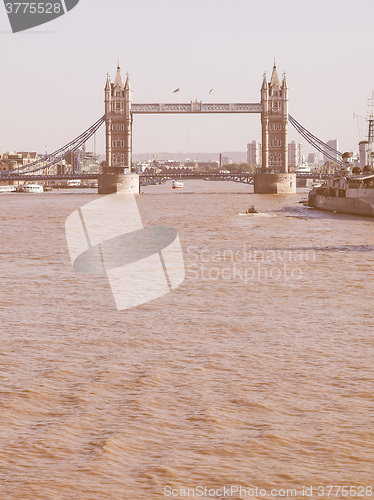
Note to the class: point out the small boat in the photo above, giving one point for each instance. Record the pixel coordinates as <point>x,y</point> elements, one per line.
<point>34,188</point>
<point>177,185</point>
<point>73,183</point>
<point>303,168</point>
<point>251,210</point>
<point>7,189</point>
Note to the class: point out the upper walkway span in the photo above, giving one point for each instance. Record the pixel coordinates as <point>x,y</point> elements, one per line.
<point>195,107</point>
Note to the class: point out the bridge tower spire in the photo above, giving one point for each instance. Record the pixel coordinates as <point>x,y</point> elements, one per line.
<point>128,122</point>
<point>108,126</point>
<point>274,120</point>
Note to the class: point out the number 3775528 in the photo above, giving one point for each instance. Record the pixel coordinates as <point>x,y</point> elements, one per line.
<point>33,8</point>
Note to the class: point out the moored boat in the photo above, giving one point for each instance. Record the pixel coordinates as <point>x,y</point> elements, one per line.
<point>351,190</point>
<point>177,185</point>
<point>33,188</point>
<point>348,194</point>
<point>303,168</point>
<point>7,189</point>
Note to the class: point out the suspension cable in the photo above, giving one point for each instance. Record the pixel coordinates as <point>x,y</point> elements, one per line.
<point>322,147</point>
<point>61,153</point>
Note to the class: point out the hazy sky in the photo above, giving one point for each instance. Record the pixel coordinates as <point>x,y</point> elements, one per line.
<point>53,77</point>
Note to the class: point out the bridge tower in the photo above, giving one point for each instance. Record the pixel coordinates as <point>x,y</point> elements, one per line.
<point>274,177</point>
<point>117,176</point>
<point>118,121</point>
<point>274,120</point>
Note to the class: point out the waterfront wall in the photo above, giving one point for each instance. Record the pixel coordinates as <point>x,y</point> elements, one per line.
<point>304,183</point>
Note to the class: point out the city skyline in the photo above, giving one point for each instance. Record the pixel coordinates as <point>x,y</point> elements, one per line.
<point>54,76</point>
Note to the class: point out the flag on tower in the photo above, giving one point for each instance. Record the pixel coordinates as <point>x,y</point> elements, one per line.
<point>176,90</point>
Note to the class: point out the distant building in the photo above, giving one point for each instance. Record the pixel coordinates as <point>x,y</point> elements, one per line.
<point>173,163</point>
<point>188,167</point>
<point>254,153</point>
<point>295,154</point>
<point>90,162</point>
<point>202,164</point>
<point>3,166</point>
<point>19,159</point>
<point>28,156</point>
<point>226,160</point>
<point>333,143</point>
<point>142,166</point>
<point>16,159</point>
<point>82,161</point>
<point>313,158</point>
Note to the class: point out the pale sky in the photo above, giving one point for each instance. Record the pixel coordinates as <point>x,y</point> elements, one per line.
<point>53,77</point>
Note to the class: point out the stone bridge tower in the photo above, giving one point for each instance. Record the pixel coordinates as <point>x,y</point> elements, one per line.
<point>118,122</point>
<point>117,176</point>
<point>274,177</point>
<point>274,120</point>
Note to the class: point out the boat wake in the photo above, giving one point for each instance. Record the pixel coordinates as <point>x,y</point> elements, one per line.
<point>259,214</point>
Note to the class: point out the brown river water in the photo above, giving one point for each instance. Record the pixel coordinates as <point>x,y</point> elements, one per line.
<point>256,372</point>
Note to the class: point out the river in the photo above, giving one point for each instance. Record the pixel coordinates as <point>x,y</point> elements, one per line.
<point>256,372</point>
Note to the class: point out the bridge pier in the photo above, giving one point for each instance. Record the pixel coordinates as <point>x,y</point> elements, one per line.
<point>268,183</point>
<point>118,183</point>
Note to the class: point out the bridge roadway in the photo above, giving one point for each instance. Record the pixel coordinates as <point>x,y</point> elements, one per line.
<point>148,178</point>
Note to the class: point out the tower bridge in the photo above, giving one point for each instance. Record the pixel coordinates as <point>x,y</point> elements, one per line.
<point>118,119</point>
<point>119,112</point>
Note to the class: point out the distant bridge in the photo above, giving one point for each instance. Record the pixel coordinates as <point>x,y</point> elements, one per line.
<point>244,177</point>
<point>148,178</point>
<point>216,176</point>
